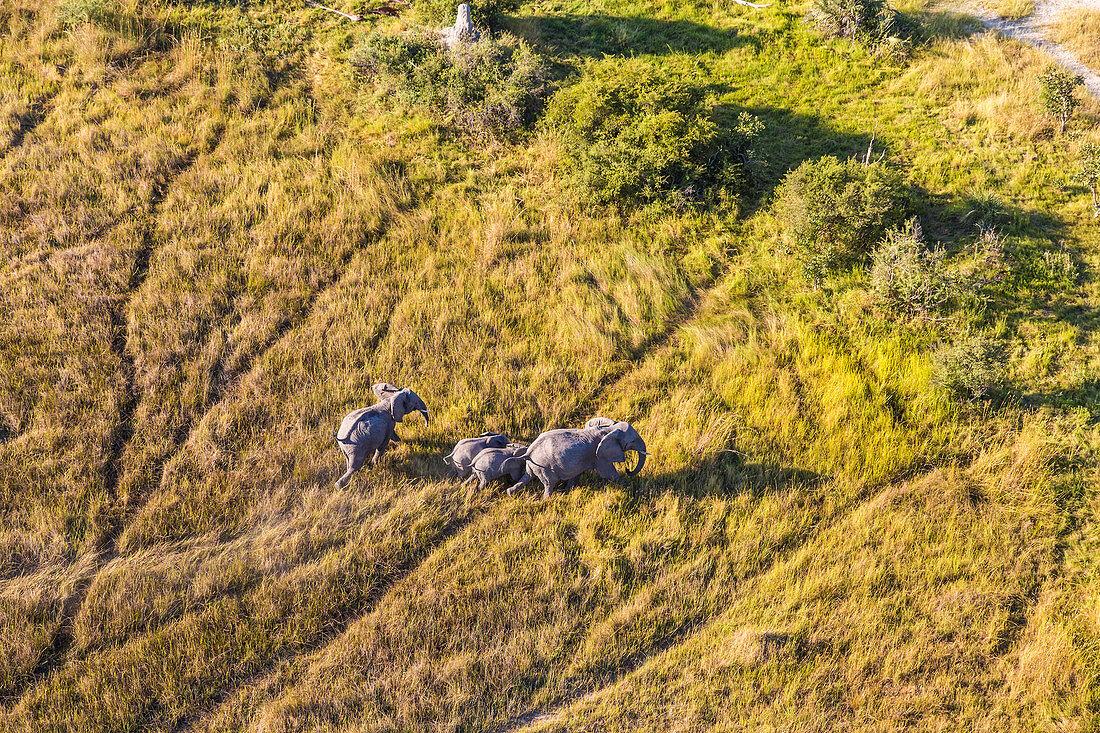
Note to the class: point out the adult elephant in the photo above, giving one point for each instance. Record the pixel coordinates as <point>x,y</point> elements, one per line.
<point>562,455</point>
<point>369,431</point>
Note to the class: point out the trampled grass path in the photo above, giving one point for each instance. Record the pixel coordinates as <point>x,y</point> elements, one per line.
<point>107,550</point>
<point>339,626</point>
<point>683,636</point>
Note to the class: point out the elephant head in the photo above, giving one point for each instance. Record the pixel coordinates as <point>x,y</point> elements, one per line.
<point>384,390</point>
<point>603,423</point>
<point>405,401</point>
<point>622,437</point>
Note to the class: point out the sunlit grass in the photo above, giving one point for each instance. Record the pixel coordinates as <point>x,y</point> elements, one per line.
<point>214,242</point>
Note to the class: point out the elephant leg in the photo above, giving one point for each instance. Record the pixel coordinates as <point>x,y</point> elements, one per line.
<point>470,480</point>
<point>569,484</point>
<point>380,451</point>
<point>523,481</point>
<point>355,462</point>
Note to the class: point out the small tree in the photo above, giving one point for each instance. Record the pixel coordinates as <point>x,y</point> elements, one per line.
<point>1056,87</point>
<point>1089,173</point>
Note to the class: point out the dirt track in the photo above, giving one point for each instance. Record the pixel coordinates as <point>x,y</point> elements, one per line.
<point>1034,29</point>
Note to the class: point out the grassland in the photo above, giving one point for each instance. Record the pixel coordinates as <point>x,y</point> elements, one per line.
<point>215,240</point>
<point>1079,31</point>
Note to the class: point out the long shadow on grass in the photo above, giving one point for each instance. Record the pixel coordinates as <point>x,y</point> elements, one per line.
<point>608,35</point>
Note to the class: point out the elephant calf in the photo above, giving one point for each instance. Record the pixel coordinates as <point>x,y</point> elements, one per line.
<point>461,459</point>
<point>490,464</point>
<point>368,431</point>
<point>562,455</point>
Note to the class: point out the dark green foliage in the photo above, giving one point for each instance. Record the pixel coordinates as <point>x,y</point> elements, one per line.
<point>490,89</point>
<point>1089,173</point>
<point>72,13</point>
<point>835,211</point>
<point>634,133</point>
<point>1056,93</point>
<point>909,277</point>
<point>442,13</point>
<point>972,368</point>
<point>868,21</point>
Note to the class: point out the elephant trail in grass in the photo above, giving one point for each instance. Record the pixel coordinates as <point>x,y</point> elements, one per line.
<point>370,430</point>
<point>562,455</point>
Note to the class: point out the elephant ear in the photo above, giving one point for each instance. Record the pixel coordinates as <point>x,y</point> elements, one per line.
<point>610,448</point>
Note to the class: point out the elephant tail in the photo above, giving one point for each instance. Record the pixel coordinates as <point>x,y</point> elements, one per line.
<point>524,456</point>
<point>449,459</point>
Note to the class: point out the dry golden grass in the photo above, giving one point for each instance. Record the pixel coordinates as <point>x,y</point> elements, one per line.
<point>1079,31</point>
<point>212,246</point>
<point>1013,9</point>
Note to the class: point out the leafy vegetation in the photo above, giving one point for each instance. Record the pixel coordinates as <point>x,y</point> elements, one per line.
<point>870,21</point>
<point>1089,173</point>
<point>833,211</point>
<point>909,277</point>
<point>491,89</point>
<point>632,132</point>
<point>214,241</point>
<point>973,367</point>
<point>1056,92</point>
<point>440,13</point>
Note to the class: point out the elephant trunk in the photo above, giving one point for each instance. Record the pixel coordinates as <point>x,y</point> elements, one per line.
<point>641,462</point>
<point>425,414</point>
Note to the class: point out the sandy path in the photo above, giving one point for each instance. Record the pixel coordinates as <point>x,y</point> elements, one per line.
<point>1034,30</point>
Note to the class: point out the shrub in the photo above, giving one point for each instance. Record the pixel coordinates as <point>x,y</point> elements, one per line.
<point>631,132</point>
<point>835,211</point>
<point>1089,173</point>
<point>869,21</point>
<point>1056,93</point>
<point>971,368</point>
<point>73,13</point>
<point>443,12</point>
<point>908,276</point>
<point>490,89</point>
<point>1058,268</point>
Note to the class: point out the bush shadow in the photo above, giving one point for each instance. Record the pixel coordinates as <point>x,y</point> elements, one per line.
<point>726,474</point>
<point>597,36</point>
<point>788,140</point>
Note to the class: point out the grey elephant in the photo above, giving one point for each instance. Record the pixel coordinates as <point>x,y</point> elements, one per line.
<point>369,431</point>
<point>562,455</point>
<point>461,459</point>
<point>492,464</point>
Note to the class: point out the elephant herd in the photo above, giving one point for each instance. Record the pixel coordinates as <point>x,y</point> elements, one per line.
<point>552,457</point>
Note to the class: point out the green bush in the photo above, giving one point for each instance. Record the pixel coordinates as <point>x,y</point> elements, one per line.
<point>1088,174</point>
<point>631,132</point>
<point>833,212</point>
<point>869,21</point>
<point>490,89</point>
<point>972,368</point>
<point>443,12</point>
<point>73,13</point>
<point>909,277</point>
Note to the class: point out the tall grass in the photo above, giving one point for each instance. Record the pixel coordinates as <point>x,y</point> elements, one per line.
<point>214,244</point>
